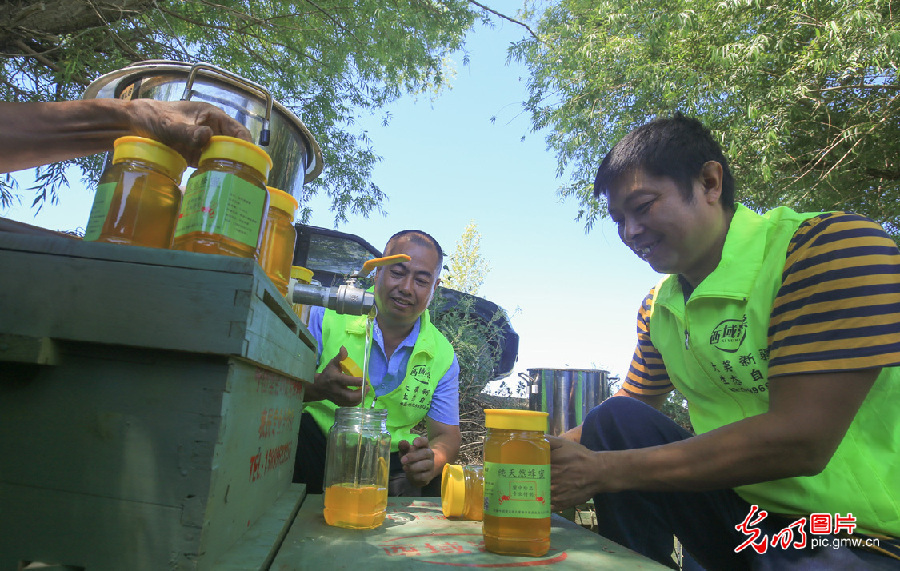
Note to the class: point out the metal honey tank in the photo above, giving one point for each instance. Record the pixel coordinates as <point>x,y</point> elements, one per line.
<point>297,158</point>
<point>566,395</point>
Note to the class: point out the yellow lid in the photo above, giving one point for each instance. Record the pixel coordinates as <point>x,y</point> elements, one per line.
<point>282,201</point>
<point>453,490</point>
<point>508,419</point>
<point>349,367</point>
<point>237,150</point>
<point>301,274</point>
<point>141,148</point>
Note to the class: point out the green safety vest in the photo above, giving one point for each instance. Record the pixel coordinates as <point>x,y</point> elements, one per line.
<point>431,358</point>
<point>715,350</point>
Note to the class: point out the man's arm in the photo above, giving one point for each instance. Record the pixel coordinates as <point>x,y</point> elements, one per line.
<point>35,134</point>
<point>807,418</point>
<point>424,458</point>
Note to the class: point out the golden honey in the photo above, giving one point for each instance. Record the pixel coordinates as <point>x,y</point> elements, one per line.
<point>276,249</point>
<point>516,483</point>
<point>304,276</point>
<point>138,198</point>
<point>355,507</point>
<point>462,492</point>
<point>225,200</point>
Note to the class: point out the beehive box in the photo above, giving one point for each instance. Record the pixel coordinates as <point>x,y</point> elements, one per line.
<point>149,403</point>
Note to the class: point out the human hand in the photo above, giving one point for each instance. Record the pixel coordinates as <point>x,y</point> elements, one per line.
<point>574,478</point>
<point>418,461</point>
<point>331,384</point>
<point>573,434</point>
<point>186,126</point>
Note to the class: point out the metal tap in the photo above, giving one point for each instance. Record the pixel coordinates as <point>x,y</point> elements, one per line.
<point>346,299</point>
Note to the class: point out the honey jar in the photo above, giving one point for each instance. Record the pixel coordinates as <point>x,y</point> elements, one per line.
<point>356,468</point>
<point>225,200</point>
<point>516,483</point>
<point>302,275</point>
<point>138,198</point>
<point>462,491</point>
<point>276,249</point>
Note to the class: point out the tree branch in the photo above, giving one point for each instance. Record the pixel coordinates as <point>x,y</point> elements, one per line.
<point>846,87</point>
<point>44,61</point>
<point>507,18</point>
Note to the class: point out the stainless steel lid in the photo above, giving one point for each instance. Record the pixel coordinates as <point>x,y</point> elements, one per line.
<point>297,158</point>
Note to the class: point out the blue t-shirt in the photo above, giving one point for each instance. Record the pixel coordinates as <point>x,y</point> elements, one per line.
<point>386,375</point>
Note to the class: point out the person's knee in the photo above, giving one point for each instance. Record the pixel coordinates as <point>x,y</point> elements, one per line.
<point>612,424</point>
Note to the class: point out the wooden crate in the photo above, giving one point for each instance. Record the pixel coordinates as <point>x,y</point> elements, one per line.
<point>149,403</point>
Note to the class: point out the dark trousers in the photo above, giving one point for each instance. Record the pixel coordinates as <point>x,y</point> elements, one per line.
<point>309,465</point>
<point>704,522</point>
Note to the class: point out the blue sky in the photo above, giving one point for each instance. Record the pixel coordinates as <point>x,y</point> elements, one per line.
<point>572,296</point>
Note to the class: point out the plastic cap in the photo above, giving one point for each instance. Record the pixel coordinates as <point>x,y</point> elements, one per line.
<point>453,490</point>
<point>237,150</point>
<point>301,274</point>
<point>508,419</point>
<point>144,149</point>
<point>349,367</point>
<point>282,201</point>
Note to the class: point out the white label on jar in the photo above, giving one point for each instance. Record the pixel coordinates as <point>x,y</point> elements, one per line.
<point>99,210</point>
<point>222,203</point>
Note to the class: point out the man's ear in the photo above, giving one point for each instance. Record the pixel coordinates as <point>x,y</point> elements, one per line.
<point>711,179</point>
<point>437,282</point>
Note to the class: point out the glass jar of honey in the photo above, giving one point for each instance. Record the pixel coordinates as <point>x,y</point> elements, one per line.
<point>276,249</point>
<point>516,483</point>
<point>356,468</point>
<point>302,275</point>
<point>138,198</point>
<point>225,200</point>
<point>462,491</point>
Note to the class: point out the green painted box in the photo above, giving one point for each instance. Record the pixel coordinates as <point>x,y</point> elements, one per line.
<point>149,403</point>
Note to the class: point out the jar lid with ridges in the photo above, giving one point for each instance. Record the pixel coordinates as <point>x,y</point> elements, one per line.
<point>453,490</point>
<point>302,274</point>
<point>144,149</point>
<point>510,419</point>
<point>282,201</point>
<point>237,150</point>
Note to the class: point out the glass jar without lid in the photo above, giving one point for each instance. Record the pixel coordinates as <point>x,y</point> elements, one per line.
<point>276,249</point>
<point>516,483</point>
<point>225,200</point>
<point>356,468</point>
<point>138,198</point>
<point>462,491</point>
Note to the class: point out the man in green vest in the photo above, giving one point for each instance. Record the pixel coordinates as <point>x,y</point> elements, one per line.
<point>782,331</point>
<point>413,373</point>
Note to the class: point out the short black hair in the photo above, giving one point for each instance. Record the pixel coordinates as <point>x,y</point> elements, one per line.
<point>422,238</point>
<point>675,147</point>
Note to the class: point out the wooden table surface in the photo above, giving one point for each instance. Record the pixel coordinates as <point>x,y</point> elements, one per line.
<point>416,535</point>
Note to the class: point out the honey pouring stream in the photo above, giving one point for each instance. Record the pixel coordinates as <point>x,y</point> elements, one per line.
<point>366,350</point>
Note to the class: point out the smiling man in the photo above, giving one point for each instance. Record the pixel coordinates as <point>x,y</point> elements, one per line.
<point>412,369</point>
<point>782,330</point>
